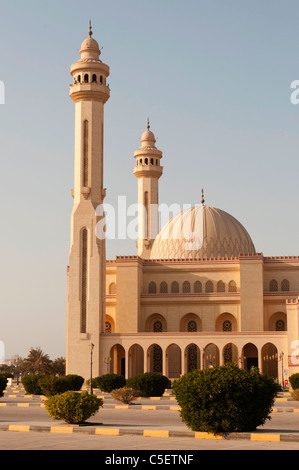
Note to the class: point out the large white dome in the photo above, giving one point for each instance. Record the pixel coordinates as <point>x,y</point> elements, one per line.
<point>201,232</point>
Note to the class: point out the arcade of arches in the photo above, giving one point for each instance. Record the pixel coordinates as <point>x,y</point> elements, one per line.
<point>175,360</point>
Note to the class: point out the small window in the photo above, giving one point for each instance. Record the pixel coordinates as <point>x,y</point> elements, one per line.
<point>232,286</point>
<point>197,287</point>
<point>186,287</point>
<point>175,287</point>
<point>79,78</point>
<point>86,78</point>
<point>280,325</point>
<point>152,288</point>
<point>101,79</point>
<point>285,285</point>
<point>158,327</point>
<point>192,326</point>
<point>146,161</point>
<point>220,286</point>
<point>112,288</point>
<point>152,161</point>
<point>163,288</point>
<point>227,326</point>
<point>209,286</point>
<point>273,286</point>
<point>94,78</point>
<point>108,327</point>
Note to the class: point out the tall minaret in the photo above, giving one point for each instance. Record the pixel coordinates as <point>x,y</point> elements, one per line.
<point>148,170</point>
<point>87,264</point>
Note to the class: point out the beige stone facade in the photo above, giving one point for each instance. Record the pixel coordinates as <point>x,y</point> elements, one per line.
<point>175,306</point>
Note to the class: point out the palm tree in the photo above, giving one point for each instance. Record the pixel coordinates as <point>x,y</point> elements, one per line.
<point>37,362</point>
<point>58,366</point>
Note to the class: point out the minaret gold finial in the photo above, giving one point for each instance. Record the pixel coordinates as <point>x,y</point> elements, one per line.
<point>202,197</point>
<point>148,124</point>
<point>90,33</point>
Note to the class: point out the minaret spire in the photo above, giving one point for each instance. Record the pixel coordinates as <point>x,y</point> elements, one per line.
<point>90,33</point>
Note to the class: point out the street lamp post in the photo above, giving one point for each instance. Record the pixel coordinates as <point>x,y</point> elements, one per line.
<point>91,350</point>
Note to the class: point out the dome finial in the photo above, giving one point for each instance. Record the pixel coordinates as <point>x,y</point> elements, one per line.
<point>90,33</point>
<point>202,197</point>
<point>148,124</point>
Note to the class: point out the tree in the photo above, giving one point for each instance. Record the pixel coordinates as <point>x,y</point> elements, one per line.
<point>37,362</point>
<point>58,366</point>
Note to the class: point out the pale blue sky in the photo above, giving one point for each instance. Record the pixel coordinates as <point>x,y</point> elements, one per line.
<point>213,76</point>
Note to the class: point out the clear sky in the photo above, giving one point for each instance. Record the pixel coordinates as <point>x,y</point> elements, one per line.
<point>214,78</point>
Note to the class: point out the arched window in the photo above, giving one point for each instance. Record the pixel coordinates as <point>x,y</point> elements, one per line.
<point>280,325</point>
<point>163,288</point>
<point>232,286</point>
<point>85,153</point>
<point>84,268</point>
<point>152,161</point>
<point>146,161</point>
<point>227,326</point>
<point>192,326</point>
<point>220,286</point>
<point>112,288</point>
<point>94,78</point>
<point>175,287</point>
<point>285,285</point>
<point>209,286</point>
<point>158,328</point>
<point>152,288</point>
<point>79,78</point>
<point>273,285</point>
<point>101,79</point>
<point>197,287</point>
<point>186,287</point>
<point>86,78</point>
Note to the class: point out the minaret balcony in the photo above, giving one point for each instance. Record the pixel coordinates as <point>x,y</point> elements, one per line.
<point>148,171</point>
<point>89,92</point>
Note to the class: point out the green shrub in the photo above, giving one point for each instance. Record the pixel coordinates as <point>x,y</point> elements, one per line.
<point>294,381</point>
<point>3,383</point>
<point>73,407</point>
<point>109,382</point>
<point>225,399</point>
<point>51,385</point>
<point>149,384</point>
<point>125,395</point>
<point>75,382</point>
<point>30,383</point>
<point>295,394</point>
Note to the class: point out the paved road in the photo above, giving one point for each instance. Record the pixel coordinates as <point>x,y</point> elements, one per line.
<point>12,412</point>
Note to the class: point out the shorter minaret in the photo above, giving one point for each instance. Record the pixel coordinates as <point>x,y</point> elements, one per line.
<point>148,170</point>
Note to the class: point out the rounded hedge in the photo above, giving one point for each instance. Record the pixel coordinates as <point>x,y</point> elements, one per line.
<point>49,385</point>
<point>3,383</point>
<point>294,381</point>
<point>73,407</point>
<point>149,384</point>
<point>109,382</point>
<point>31,384</point>
<point>225,399</point>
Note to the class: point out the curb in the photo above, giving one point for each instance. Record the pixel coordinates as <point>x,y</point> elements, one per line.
<point>136,407</point>
<point>97,430</point>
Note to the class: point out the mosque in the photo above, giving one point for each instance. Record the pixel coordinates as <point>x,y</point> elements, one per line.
<point>196,295</point>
